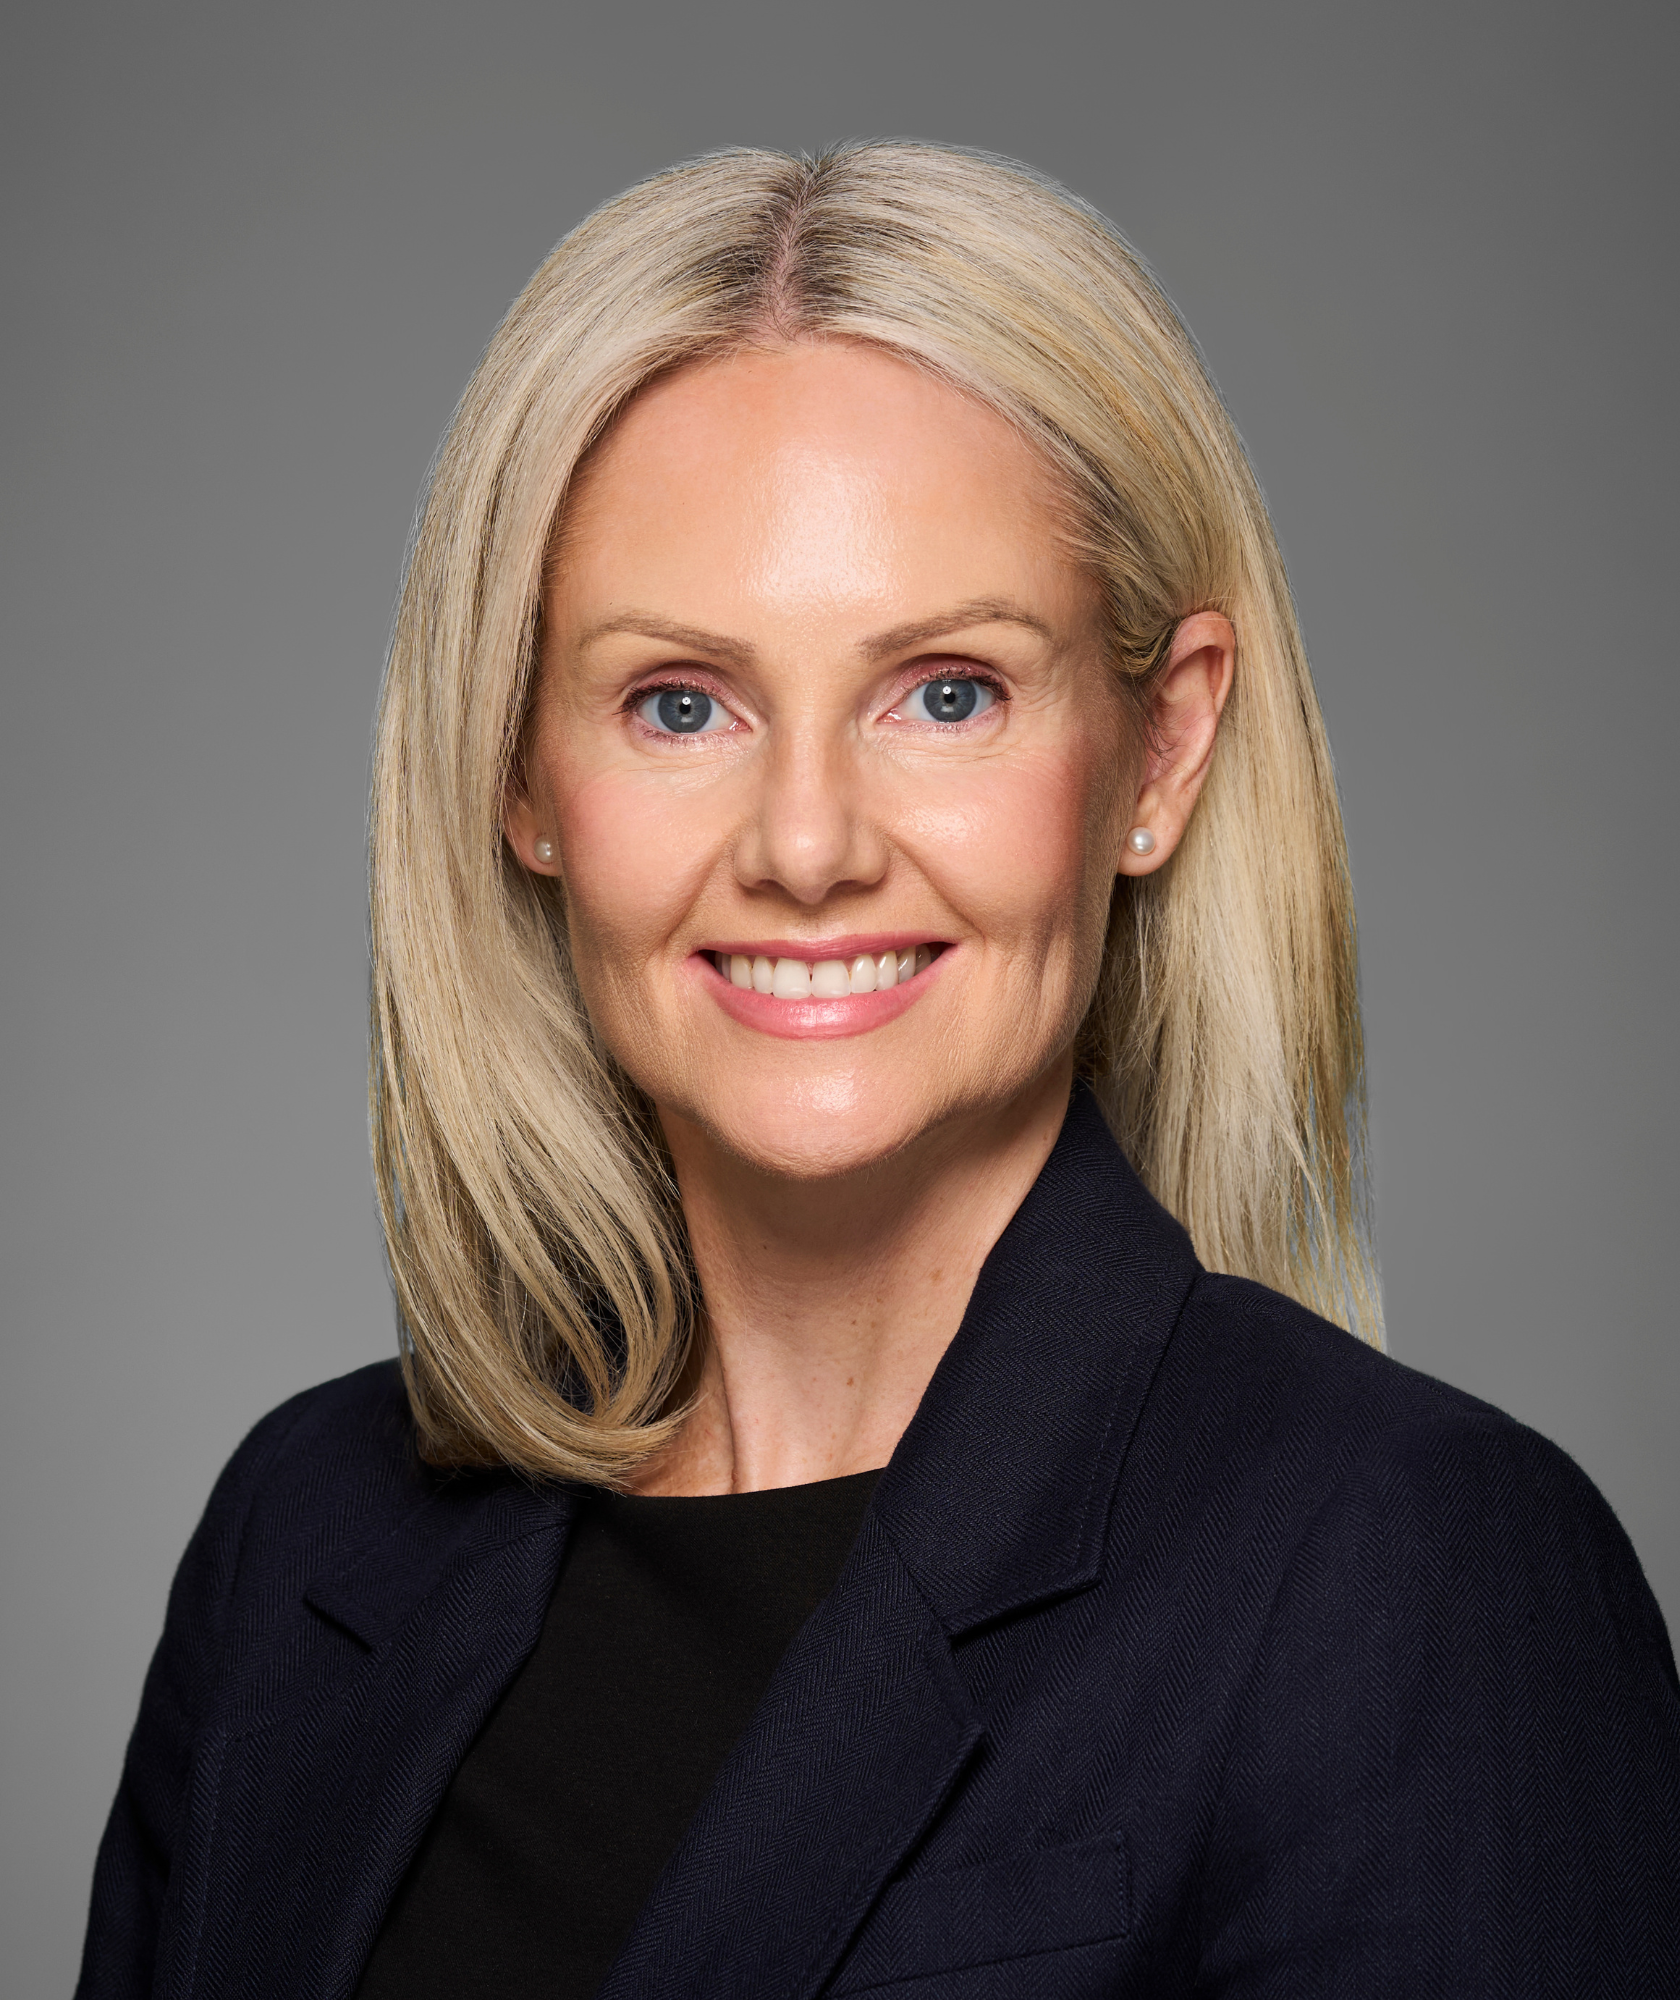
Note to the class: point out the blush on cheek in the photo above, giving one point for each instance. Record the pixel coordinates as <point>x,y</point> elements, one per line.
<point>1017,852</point>
<point>632,870</point>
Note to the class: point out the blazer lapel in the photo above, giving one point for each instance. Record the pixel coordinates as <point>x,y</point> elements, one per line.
<point>999,1493</point>
<point>326,1769</point>
<point>859,1739</point>
<point>997,1500</point>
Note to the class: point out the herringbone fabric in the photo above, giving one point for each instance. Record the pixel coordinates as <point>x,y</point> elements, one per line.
<point>1187,1648</point>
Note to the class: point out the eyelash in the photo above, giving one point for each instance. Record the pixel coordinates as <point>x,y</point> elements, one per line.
<point>685,684</point>
<point>993,686</point>
<point>671,684</point>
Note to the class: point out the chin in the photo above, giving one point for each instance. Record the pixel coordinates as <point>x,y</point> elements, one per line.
<point>819,1127</point>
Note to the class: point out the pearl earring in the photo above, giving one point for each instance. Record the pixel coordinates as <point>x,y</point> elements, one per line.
<point>544,849</point>
<point>1140,840</point>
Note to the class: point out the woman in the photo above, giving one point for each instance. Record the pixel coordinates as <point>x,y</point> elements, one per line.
<point>861,934</point>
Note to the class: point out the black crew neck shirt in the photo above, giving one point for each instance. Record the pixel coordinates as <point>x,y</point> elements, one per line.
<point>669,1618</point>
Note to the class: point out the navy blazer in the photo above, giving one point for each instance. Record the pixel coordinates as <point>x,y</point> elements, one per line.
<point>1187,1647</point>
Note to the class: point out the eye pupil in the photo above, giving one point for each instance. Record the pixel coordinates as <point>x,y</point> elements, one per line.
<point>951,701</point>
<point>683,711</point>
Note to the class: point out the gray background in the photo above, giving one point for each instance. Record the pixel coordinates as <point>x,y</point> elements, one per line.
<point>251,256</point>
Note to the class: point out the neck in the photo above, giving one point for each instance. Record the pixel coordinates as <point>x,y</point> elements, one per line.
<point>829,1303</point>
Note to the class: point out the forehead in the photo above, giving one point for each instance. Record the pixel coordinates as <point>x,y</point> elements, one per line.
<point>815,474</point>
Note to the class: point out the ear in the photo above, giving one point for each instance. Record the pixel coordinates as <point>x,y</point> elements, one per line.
<point>525,829</point>
<point>1184,716</point>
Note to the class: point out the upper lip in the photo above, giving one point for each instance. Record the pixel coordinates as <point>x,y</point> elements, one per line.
<point>858,944</point>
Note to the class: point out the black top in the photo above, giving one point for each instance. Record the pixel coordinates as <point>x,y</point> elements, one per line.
<point>665,1627</point>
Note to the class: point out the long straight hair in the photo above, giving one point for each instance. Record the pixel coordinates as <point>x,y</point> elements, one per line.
<point>541,1267</point>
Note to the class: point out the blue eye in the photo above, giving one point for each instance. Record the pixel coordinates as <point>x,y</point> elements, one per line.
<point>683,712</point>
<point>948,701</point>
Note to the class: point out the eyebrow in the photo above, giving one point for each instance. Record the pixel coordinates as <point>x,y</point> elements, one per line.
<point>977,611</point>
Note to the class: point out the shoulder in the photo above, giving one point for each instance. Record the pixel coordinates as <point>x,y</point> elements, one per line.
<point>349,1435</point>
<point>1263,1343</point>
<point>1396,1482</point>
<point>1306,1403</point>
<point>328,1471</point>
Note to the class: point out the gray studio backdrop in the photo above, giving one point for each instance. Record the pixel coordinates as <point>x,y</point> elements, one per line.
<point>251,255</point>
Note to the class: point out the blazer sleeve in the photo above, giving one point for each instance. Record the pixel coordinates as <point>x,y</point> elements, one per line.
<point>132,1873</point>
<point>1457,1765</point>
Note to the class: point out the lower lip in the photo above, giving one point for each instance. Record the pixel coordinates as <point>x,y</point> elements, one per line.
<point>813,1020</point>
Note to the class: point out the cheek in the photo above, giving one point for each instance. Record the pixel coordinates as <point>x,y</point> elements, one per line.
<point>1023,851</point>
<point>633,856</point>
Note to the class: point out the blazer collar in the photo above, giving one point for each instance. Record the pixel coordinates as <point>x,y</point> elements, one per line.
<point>998,1494</point>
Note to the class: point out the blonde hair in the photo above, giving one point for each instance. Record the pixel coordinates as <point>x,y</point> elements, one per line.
<point>535,1239</point>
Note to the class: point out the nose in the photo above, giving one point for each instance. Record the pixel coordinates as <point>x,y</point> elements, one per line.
<point>809,830</point>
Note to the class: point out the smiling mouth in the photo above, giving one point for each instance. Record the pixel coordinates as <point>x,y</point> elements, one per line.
<point>824,978</point>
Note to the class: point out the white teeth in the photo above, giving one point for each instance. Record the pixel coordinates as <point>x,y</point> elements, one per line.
<point>829,978</point>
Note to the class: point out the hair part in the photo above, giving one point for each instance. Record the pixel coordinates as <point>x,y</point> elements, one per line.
<point>544,1285</point>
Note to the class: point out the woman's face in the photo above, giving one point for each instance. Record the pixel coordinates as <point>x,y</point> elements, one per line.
<point>822,709</point>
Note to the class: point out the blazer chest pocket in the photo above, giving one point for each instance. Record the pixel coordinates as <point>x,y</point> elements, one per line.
<point>951,1930</point>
